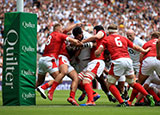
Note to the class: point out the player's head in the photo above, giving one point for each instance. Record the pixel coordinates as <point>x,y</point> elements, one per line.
<point>77,33</point>
<point>112,28</point>
<point>155,35</point>
<point>96,29</point>
<point>58,27</point>
<point>130,34</point>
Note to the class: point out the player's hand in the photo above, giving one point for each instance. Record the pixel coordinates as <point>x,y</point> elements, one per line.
<point>80,24</point>
<point>147,50</point>
<point>78,43</point>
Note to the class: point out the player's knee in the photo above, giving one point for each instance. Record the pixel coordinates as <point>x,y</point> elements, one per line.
<point>130,80</point>
<point>64,71</point>
<point>111,79</point>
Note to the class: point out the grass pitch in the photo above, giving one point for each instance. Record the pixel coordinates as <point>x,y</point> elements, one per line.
<point>60,106</point>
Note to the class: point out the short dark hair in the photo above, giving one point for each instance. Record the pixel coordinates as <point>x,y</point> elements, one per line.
<point>71,20</point>
<point>98,28</point>
<point>76,31</point>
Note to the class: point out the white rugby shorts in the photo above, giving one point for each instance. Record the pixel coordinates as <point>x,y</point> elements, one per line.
<point>153,78</point>
<point>95,66</point>
<point>149,65</point>
<point>47,64</point>
<point>64,60</point>
<point>121,66</point>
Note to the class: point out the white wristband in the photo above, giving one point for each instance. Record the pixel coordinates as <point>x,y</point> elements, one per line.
<point>67,39</point>
<point>101,46</point>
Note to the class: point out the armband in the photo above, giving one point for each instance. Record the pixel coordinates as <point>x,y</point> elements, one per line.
<point>88,44</point>
<point>67,39</point>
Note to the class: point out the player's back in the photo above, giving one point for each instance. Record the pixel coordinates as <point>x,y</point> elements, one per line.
<point>63,51</point>
<point>153,51</point>
<point>99,42</point>
<point>117,45</point>
<point>54,44</point>
<point>133,53</point>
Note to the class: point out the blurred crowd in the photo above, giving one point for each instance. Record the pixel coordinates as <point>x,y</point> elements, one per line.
<point>143,16</point>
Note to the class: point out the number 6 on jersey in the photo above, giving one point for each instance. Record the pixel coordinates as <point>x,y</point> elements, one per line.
<point>118,42</point>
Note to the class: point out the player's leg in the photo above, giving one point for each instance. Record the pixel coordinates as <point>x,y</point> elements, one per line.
<point>58,78</point>
<point>74,76</point>
<point>45,65</point>
<point>94,68</point>
<point>40,80</point>
<point>89,76</point>
<point>111,84</point>
<point>104,87</point>
<point>131,81</point>
<point>155,96</point>
<point>81,86</point>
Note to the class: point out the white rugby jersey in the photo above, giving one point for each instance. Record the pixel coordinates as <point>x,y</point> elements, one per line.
<point>84,56</point>
<point>85,52</point>
<point>133,53</point>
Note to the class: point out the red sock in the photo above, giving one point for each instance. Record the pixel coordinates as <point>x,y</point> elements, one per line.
<point>91,84</point>
<point>45,86</point>
<point>139,88</point>
<point>54,85</point>
<point>150,91</point>
<point>89,91</point>
<point>81,85</point>
<point>116,93</point>
<point>92,88</point>
<point>133,95</point>
<point>72,94</point>
<point>142,100</point>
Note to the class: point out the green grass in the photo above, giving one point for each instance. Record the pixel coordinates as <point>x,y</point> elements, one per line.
<point>60,106</point>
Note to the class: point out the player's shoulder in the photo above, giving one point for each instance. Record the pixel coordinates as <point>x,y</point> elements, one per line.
<point>139,41</point>
<point>86,34</point>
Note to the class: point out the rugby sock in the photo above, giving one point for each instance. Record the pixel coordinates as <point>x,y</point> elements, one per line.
<point>139,88</point>
<point>45,86</point>
<point>155,96</point>
<point>72,94</point>
<point>54,85</point>
<point>91,84</point>
<point>133,95</point>
<point>116,93</point>
<point>142,100</point>
<point>89,91</point>
<point>92,88</point>
<point>81,85</point>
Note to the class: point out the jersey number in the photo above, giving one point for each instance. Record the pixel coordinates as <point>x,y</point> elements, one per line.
<point>49,40</point>
<point>118,41</point>
<point>155,41</point>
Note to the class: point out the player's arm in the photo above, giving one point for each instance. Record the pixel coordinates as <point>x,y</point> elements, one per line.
<point>89,44</point>
<point>69,28</point>
<point>158,49</point>
<point>99,35</point>
<point>140,49</point>
<point>99,51</point>
<point>74,41</point>
<point>141,57</point>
